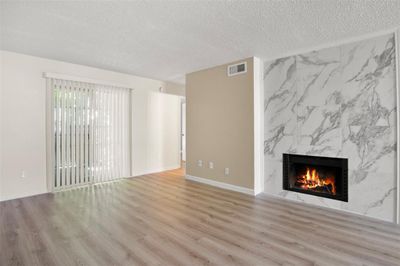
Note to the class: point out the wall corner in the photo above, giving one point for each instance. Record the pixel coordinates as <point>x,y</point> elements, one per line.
<point>258,126</point>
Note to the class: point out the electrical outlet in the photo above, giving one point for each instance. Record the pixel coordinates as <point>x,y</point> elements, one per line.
<point>23,174</point>
<point>211,165</point>
<point>200,163</point>
<point>226,171</point>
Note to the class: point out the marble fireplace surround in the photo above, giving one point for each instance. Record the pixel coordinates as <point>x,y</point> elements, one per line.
<point>337,102</point>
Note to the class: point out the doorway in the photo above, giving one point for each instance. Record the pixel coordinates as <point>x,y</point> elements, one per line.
<point>183,133</point>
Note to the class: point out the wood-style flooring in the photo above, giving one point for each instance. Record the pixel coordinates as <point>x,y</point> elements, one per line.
<point>163,219</point>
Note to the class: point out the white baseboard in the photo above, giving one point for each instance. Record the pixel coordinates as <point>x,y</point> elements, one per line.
<point>221,184</point>
<point>23,196</point>
<point>157,170</point>
<point>168,168</point>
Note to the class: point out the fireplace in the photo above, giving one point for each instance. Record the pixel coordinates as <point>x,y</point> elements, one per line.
<point>319,176</point>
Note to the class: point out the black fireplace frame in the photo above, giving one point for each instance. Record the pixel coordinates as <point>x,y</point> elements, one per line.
<point>342,163</point>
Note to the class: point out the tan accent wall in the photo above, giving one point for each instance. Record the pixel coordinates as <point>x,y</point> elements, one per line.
<point>220,124</point>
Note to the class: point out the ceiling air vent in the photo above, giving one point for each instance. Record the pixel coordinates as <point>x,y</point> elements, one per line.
<point>236,69</point>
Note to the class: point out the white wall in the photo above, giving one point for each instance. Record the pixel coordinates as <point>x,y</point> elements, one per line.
<point>1,108</point>
<point>156,132</point>
<point>22,121</point>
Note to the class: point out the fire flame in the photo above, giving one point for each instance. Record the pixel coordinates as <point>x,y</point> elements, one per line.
<point>312,180</point>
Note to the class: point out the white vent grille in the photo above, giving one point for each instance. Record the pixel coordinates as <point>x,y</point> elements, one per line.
<point>236,69</point>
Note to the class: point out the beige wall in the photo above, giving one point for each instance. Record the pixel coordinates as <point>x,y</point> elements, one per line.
<point>220,124</point>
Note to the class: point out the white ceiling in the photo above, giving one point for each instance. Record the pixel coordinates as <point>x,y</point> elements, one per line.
<point>166,39</point>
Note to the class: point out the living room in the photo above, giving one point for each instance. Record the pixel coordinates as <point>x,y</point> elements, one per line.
<point>199,132</point>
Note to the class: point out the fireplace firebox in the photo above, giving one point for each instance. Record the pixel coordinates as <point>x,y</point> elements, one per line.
<point>320,176</point>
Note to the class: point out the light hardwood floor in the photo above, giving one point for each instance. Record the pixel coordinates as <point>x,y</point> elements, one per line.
<point>163,219</point>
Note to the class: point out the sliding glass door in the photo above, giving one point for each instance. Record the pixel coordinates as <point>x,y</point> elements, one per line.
<point>91,133</point>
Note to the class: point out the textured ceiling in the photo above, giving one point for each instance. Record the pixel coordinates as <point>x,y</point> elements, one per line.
<point>166,39</point>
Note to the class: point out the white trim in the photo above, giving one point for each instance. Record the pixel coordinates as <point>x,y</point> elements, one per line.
<point>258,102</point>
<point>25,196</point>
<point>157,170</point>
<point>49,136</point>
<point>182,133</point>
<point>130,121</point>
<point>331,44</point>
<point>222,185</point>
<point>83,79</point>
<point>397,49</point>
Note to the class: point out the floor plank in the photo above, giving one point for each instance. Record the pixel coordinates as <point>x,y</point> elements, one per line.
<point>163,219</point>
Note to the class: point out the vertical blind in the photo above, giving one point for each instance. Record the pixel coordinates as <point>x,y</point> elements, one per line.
<point>91,125</point>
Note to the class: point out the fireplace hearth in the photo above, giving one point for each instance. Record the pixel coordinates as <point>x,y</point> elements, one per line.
<point>320,176</point>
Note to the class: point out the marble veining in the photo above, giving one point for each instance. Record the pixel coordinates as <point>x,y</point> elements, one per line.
<point>336,102</point>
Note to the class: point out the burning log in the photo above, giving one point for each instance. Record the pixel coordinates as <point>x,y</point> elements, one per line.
<point>313,181</point>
